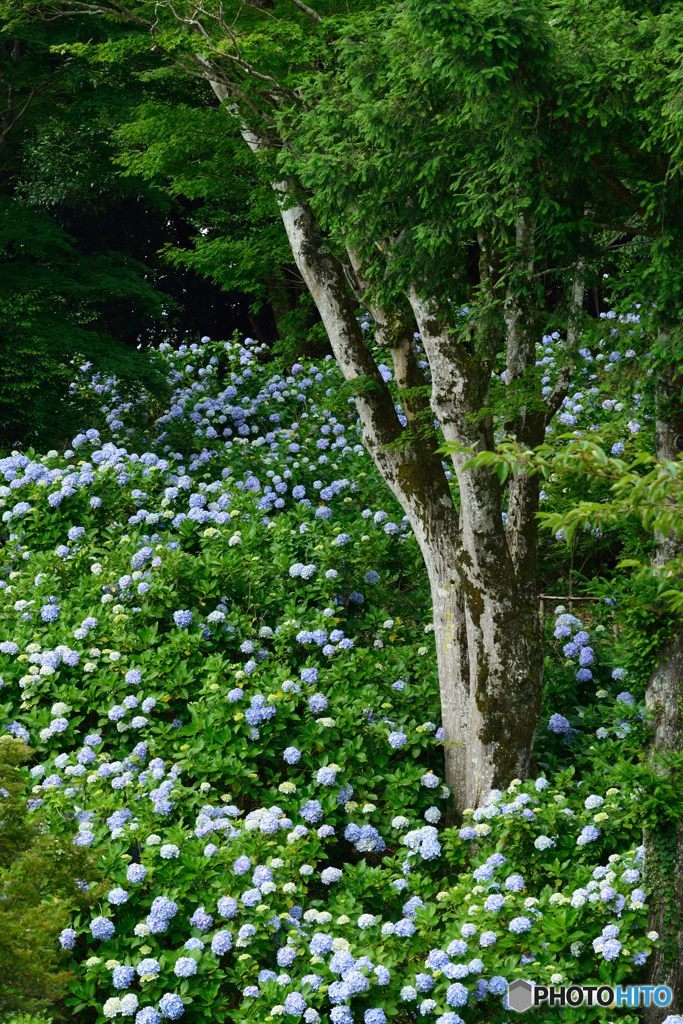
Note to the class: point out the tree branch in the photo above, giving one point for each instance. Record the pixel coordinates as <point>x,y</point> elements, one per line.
<point>313,15</point>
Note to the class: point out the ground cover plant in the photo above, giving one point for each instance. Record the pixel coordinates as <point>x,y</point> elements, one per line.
<point>217,652</point>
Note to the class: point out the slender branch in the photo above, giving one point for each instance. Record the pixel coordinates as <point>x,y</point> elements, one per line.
<point>13,116</point>
<point>76,8</point>
<point>313,15</point>
<point>625,229</point>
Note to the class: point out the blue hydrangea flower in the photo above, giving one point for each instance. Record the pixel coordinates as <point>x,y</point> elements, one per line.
<point>295,1004</point>
<point>148,968</point>
<point>588,834</point>
<point>122,977</point>
<point>519,925</point>
<point>148,1015</point>
<point>559,725</point>
<point>171,1006</point>
<point>102,928</point>
<point>374,1017</point>
<point>456,994</point>
<point>185,967</point>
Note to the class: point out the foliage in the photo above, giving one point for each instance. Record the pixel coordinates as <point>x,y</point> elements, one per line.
<point>219,648</point>
<point>237,237</point>
<point>219,637</point>
<point>39,892</point>
<point>65,294</point>
<point>50,305</point>
<point>81,245</point>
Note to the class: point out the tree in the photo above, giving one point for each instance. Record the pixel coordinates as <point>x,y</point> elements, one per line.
<point>447,165</point>
<point>235,237</point>
<point>84,271</point>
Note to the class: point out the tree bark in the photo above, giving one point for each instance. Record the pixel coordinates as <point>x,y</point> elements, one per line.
<point>450,637</point>
<point>414,472</point>
<point>506,661</point>
<point>485,616</point>
<point>664,699</point>
<point>504,641</point>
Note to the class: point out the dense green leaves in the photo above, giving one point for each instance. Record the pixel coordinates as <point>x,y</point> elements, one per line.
<point>38,893</point>
<point>85,250</point>
<point>149,728</point>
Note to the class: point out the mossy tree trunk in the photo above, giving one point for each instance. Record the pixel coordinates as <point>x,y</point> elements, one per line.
<point>664,698</point>
<point>484,592</point>
<point>483,574</point>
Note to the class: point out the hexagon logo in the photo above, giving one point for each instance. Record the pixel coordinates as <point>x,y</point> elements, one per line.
<point>521,995</point>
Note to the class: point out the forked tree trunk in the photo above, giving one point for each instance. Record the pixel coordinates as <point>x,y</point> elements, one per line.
<point>485,614</point>
<point>416,477</point>
<point>485,618</point>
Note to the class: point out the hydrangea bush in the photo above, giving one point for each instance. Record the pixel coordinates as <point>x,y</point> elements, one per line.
<point>215,639</point>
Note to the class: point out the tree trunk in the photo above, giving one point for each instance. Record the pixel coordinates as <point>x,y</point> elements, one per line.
<point>488,725</point>
<point>452,660</point>
<point>664,699</point>
<point>413,471</point>
<point>664,843</point>
<point>485,617</point>
<point>437,531</point>
<point>506,662</point>
<point>504,641</point>
<point>489,669</point>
